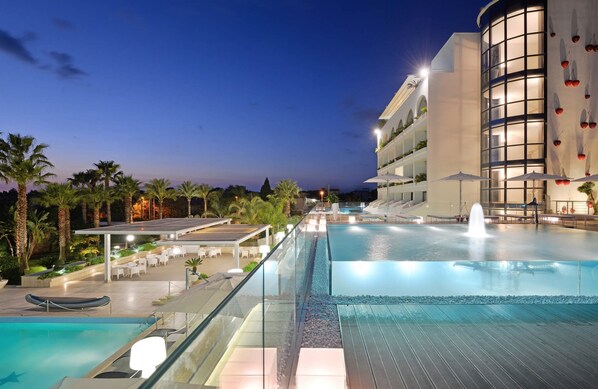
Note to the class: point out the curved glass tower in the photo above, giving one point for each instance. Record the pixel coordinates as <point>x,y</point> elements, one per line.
<point>513,102</point>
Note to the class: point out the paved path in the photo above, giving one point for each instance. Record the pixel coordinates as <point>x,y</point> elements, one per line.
<point>470,346</point>
<point>130,297</point>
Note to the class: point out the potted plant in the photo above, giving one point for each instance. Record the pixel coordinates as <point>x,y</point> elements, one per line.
<point>588,189</point>
<point>193,263</point>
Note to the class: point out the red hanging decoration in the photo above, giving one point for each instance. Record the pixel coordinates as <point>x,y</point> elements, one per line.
<point>584,125</point>
<point>587,174</point>
<point>559,182</point>
<point>587,96</point>
<point>566,182</point>
<point>568,82</point>
<point>552,34</point>
<point>565,64</point>
<point>581,156</point>
<point>595,48</point>
<point>575,38</point>
<point>592,124</point>
<point>559,111</point>
<point>575,83</point>
<point>556,142</point>
<point>589,48</point>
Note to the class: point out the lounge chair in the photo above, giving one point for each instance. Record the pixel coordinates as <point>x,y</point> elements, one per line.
<point>69,303</point>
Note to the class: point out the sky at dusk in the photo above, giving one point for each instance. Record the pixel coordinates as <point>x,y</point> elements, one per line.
<point>222,92</point>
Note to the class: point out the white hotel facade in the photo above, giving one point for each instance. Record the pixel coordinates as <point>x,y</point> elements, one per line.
<point>519,96</point>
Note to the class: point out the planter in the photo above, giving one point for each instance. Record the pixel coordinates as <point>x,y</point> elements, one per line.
<point>32,280</point>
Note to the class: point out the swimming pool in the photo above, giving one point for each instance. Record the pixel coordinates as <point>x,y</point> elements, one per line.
<point>38,352</point>
<point>424,260</point>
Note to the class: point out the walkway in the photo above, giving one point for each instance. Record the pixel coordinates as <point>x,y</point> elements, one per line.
<point>470,346</point>
<point>130,297</point>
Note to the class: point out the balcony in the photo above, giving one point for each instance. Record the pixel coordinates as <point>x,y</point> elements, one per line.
<point>403,133</point>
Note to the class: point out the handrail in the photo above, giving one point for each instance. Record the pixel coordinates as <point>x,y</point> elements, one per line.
<point>163,368</point>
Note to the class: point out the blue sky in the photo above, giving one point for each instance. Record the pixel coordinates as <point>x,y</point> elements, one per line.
<point>222,92</point>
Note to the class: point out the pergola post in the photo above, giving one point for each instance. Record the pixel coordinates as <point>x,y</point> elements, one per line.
<point>268,236</point>
<point>107,268</point>
<point>236,255</point>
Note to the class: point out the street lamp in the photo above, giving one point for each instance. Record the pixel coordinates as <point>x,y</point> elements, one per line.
<point>322,197</point>
<point>130,238</point>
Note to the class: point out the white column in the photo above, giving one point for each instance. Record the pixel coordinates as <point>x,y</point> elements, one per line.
<point>107,268</point>
<point>236,255</point>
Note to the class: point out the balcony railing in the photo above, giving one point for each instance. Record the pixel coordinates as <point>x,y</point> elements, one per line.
<point>252,336</point>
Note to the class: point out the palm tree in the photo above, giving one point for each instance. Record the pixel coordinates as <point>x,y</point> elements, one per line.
<point>203,192</point>
<point>188,190</point>
<point>83,181</point>
<point>108,171</point>
<point>247,211</point>
<point>126,188</point>
<point>158,188</point>
<point>22,160</point>
<point>96,196</point>
<point>218,207</point>
<point>287,190</point>
<point>39,228</point>
<point>7,229</point>
<point>65,197</point>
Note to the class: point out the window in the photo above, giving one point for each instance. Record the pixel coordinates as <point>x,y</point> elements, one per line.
<point>497,33</point>
<point>535,21</point>
<point>515,90</point>
<point>516,47</point>
<point>515,26</point>
<point>535,44</point>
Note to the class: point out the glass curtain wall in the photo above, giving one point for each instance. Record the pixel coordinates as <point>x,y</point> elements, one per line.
<point>513,103</point>
<point>251,339</point>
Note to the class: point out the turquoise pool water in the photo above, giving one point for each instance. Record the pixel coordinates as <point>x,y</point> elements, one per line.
<point>38,352</point>
<point>424,260</point>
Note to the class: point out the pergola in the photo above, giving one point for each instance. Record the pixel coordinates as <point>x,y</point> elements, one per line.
<point>167,228</point>
<point>220,235</point>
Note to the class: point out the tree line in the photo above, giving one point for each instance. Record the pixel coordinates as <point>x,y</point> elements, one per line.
<point>95,191</point>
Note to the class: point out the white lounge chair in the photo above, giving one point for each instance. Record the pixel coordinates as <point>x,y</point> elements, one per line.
<point>163,259</point>
<point>133,269</point>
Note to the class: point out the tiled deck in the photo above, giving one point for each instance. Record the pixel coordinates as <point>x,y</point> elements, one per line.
<point>470,346</point>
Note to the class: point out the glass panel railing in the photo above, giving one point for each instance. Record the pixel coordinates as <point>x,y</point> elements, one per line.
<point>250,339</point>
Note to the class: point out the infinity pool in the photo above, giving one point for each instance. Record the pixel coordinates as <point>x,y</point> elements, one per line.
<point>39,352</point>
<point>425,260</point>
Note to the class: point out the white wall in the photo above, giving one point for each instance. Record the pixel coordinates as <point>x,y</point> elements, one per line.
<point>454,123</point>
<point>565,19</point>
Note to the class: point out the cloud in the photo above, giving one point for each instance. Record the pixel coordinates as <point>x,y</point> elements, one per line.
<point>65,68</point>
<point>62,24</point>
<point>16,47</point>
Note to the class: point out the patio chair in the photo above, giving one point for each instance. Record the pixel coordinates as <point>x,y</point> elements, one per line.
<point>244,253</point>
<point>163,259</point>
<point>118,271</point>
<point>134,269</point>
<point>142,263</point>
<point>152,260</point>
<point>254,251</point>
<point>201,253</point>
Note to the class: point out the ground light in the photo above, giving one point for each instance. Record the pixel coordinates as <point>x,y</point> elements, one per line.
<point>146,354</point>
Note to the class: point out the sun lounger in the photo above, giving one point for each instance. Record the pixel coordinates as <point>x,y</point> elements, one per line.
<point>69,303</point>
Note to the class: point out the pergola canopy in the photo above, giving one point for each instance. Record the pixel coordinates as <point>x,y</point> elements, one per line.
<point>219,235</point>
<point>176,226</point>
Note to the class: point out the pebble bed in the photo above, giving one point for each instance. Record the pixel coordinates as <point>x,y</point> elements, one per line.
<point>322,327</point>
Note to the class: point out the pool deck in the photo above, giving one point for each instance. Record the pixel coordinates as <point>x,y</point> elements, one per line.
<point>130,296</point>
<point>470,346</point>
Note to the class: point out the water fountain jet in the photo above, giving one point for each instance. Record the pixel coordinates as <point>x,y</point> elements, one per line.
<point>477,225</point>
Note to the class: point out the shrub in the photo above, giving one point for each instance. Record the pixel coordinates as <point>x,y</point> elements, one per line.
<point>9,266</point>
<point>48,261</point>
<point>147,246</point>
<point>422,144</point>
<point>250,267</point>
<point>125,253</point>
<point>421,177</point>
<point>95,261</point>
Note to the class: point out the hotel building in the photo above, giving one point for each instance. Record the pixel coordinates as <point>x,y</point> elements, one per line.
<point>527,85</point>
